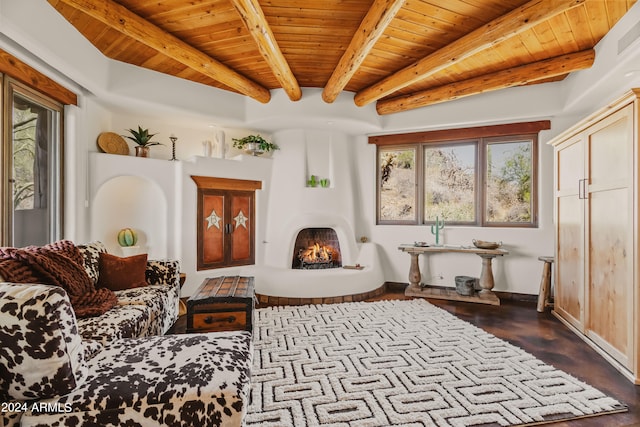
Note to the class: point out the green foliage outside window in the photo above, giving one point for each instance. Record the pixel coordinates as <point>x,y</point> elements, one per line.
<point>509,182</point>
<point>455,185</point>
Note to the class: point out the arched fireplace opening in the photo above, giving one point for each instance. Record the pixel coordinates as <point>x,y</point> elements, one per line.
<point>316,249</point>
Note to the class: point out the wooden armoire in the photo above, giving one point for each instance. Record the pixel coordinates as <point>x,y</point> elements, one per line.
<point>596,183</point>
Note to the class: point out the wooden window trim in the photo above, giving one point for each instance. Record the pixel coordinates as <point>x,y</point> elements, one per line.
<point>443,135</point>
<point>13,67</point>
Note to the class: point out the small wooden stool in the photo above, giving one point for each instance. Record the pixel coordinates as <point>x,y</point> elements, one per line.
<point>544,297</point>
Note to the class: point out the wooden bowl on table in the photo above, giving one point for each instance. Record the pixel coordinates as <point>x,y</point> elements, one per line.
<point>482,244</point>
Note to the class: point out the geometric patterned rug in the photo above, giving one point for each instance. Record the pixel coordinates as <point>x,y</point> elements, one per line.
<point>402,362</point>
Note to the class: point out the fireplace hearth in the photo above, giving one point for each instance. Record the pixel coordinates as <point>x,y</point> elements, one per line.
<point>316,249</point>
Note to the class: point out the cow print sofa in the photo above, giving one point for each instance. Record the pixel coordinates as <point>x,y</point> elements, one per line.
<point>117,368</point>
<point>141,311</point>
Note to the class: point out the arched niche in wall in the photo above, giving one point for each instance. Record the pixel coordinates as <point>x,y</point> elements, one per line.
<point>134,202</point>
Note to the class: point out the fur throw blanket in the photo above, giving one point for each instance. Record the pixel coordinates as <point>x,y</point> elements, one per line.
<point>61,264</point>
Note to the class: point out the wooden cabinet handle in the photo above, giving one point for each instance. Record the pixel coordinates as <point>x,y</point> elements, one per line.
<point>210,319</point>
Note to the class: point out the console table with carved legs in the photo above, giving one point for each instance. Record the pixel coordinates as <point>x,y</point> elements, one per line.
<point>486,282</point>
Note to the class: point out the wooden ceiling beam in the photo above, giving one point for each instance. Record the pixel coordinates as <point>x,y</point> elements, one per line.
<point>371,28</point>
<point>517,76</point>
<point>255,21</point>
<point>490,34</point>
<point>122,20</point>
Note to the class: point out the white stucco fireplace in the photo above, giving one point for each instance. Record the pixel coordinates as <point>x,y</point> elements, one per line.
<point>281,279</point>
<point>295,206</point>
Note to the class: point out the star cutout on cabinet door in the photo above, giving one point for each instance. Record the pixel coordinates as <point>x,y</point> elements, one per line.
<point>213,220</point>
<point>241,220</point>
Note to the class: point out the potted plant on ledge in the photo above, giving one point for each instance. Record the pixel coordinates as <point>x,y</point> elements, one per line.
<point>142,138</point>
<point>254,145</point>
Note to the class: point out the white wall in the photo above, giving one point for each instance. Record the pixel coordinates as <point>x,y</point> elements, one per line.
<point>115,96</point>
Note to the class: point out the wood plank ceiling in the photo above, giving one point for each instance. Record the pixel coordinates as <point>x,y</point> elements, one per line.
<point>401,54</point>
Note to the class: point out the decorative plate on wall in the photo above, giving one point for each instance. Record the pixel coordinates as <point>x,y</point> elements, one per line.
<point>112,143</point>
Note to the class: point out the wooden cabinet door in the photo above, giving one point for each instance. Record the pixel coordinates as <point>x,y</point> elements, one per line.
<point>241,230</point>
<point>569,211</point>
<point>600,296</point>
<point>226,229</point>
<point>609,235</point>
<point>211,229</point>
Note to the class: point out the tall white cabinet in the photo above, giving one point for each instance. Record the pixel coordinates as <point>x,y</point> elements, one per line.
<point>596,185</point>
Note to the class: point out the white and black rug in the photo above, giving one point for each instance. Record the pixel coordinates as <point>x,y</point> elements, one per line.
<point>403,363</point>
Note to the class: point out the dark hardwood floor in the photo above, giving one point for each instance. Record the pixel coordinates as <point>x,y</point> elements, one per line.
<point>542,335</point>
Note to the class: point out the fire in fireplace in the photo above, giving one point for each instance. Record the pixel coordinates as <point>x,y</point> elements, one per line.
<point>316,248</point>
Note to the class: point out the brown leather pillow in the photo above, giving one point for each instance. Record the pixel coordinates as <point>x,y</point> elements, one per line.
<point>117,273</point>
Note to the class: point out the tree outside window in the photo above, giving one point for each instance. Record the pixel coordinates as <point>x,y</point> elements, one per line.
<point>509,172</point>
<point>24,158</point>
<point>488,181</point>
<point>450,183</point>
<point>397,185</point>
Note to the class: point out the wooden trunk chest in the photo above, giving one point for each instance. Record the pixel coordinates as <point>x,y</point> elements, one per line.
<point>222,304</point>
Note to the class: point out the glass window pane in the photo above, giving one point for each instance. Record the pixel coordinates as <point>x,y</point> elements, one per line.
<point>450,183</point>
<point>35,172</point>
<point>397,184</point>
<point>509,171</point>
<point>24,155</point>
